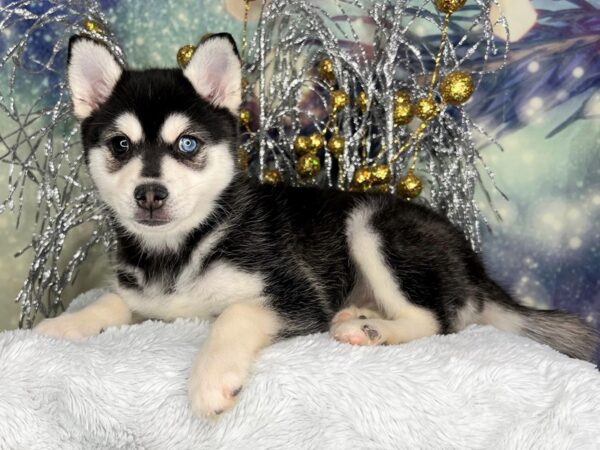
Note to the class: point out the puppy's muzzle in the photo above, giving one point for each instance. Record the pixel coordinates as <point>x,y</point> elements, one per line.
<point>150,196</point>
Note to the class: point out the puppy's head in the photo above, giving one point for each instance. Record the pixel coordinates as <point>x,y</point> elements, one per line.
<point>160,144</point>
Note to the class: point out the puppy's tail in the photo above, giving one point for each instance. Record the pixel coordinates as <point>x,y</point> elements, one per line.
<point>565,332</point>
<point>562,331</point>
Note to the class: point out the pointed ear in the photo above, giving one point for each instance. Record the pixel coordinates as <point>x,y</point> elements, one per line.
<point>215,72</point>
<point>93,73</point>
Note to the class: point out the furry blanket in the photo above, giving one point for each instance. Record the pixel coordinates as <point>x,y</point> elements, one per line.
<point>126,389</point>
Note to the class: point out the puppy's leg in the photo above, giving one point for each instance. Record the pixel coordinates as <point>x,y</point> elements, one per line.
<point>406,321</point>
<point>224,363</point>
<point>109,310</point>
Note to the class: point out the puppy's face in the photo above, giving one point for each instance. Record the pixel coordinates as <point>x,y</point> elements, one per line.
<point>160,144</point>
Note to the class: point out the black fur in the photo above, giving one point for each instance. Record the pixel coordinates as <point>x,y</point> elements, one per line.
<point>153,95</point>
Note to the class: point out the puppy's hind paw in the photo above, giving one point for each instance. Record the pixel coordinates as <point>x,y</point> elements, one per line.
<point>357,332</point>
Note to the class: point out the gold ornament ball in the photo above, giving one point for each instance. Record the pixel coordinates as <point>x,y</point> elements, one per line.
<point>336,145</point>
<point>409,186</point>
<point>242,158</point>
<point>92,26</point>
<point>184,55</point>
<point>449,6</point>
<point>326,70</point>
<point>245,117</point>
<point>426,109</point>
<point>308,165</point>
<point>339,100</point>
<point>362,100</point>
<point>272,176</point>
<point>315,142</point>
<point>402,97</point>
<point>302,145</point>
<point>381,174</point>
<point>457,87</point>
<point>403,113</point>
<point>361,180</point>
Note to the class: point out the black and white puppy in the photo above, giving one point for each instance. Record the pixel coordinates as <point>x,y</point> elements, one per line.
<point>197,239</point>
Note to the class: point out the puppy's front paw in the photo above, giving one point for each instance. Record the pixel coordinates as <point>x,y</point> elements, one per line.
<point>69,326</point>
<point>217,379</point>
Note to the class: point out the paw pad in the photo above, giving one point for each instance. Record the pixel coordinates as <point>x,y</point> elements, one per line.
<point>372,333</point>
<point>235,392</point>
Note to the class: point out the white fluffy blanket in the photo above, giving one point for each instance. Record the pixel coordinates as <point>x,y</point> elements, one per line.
<point>126,389</point>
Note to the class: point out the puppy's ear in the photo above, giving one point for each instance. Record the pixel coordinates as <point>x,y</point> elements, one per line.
<point>215,72</point>
<point>93,73</point>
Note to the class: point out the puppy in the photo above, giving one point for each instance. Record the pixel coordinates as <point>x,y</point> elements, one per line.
<point>197,239</point>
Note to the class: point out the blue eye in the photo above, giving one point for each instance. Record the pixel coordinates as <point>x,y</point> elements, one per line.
<point>120,145</point>
<point>188,145</point>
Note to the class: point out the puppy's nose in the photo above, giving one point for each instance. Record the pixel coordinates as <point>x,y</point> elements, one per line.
<point>150,196</point>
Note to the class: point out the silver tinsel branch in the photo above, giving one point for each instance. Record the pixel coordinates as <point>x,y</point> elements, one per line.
<point>287,96</point>
<point>40,144</point>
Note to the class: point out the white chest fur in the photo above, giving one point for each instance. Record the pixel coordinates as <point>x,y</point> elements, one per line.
<point>203,297</point>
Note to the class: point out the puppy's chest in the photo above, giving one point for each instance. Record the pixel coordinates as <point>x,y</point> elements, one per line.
<point>192,294</point>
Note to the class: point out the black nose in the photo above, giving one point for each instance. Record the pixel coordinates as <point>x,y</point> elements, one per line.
<point>150,196</point>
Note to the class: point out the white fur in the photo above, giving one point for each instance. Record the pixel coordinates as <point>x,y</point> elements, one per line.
<point>93,73</point>
<point>116,188</point>
<point>216,73</point>
<point>174,125</point>
<point>204,297</point>
<point>223,364</point>
<point>128,124</point>
<point>501,318</point>
<point>192,193</point>
<point>190,273</point>
<point>192,196</point>
<point>407,321</point>
<point>467,315</point>
<point>109,310</point>
<point>366,251</point>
